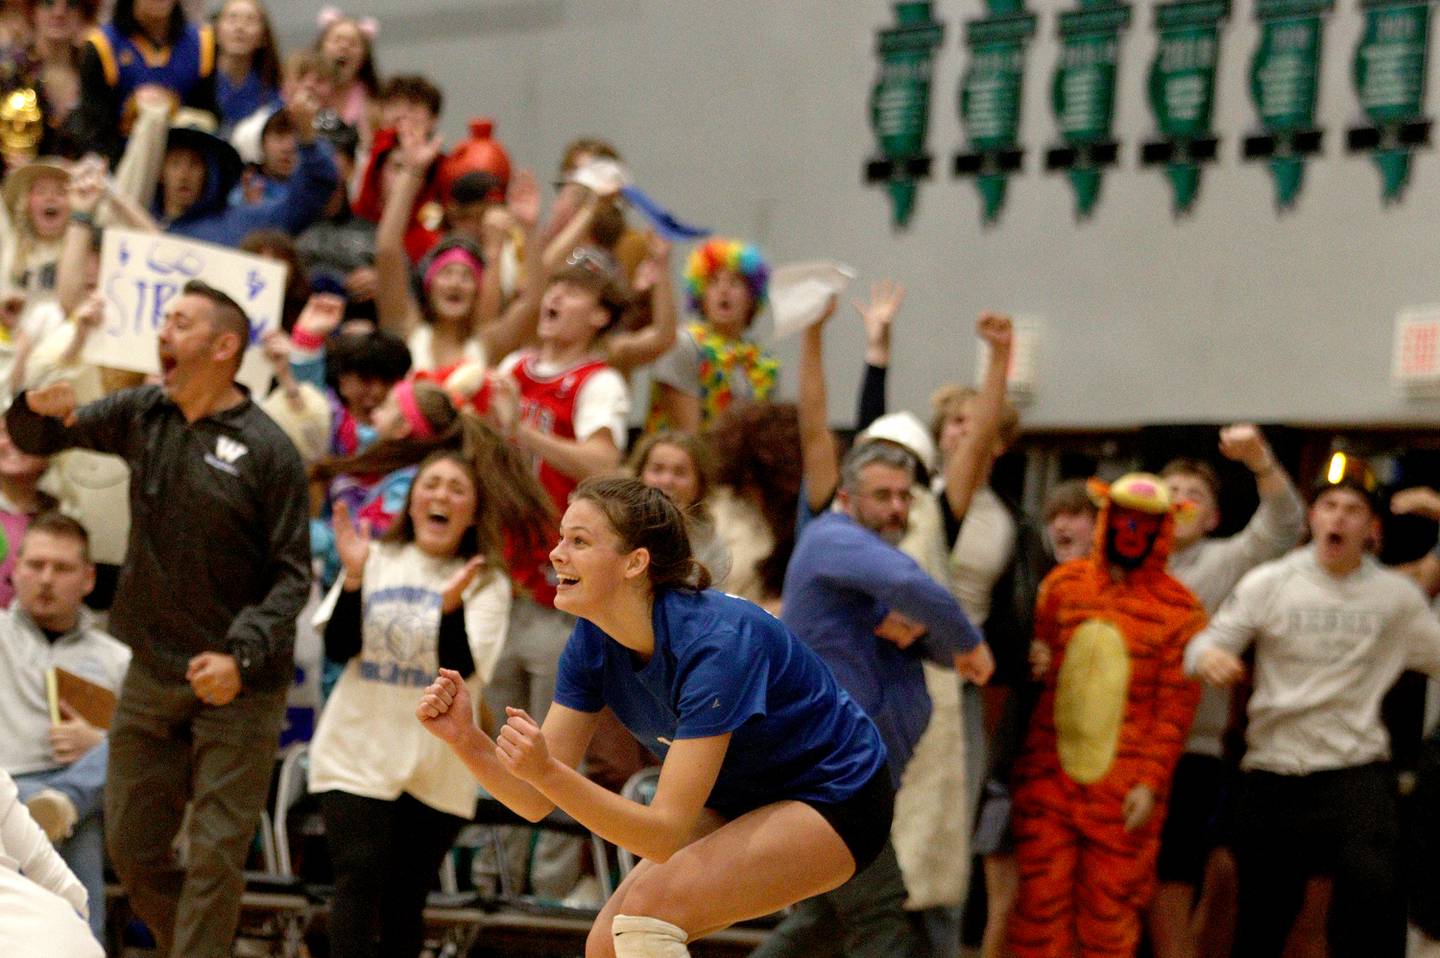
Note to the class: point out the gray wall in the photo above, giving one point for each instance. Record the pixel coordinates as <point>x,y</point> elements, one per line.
<point>751,117</point>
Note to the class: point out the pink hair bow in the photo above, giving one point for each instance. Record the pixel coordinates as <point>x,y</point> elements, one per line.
<point>329,16</point>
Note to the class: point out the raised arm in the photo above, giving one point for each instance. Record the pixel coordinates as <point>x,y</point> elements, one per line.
<point>87,187</point>
<point>48,420</point>
<point>817,442</point>
<point>394,303</point>
<point>968,465</point>
<point>886,297</point>
<point>88,318</point>
<point>1279,522</point>
<point>564,237</point>
<point>307,191</point>
<point>138,172</point>
<point>626,350</point>
<point>515,327</point>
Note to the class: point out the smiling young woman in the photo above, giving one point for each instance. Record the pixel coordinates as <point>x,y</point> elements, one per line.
<point>431,594</point>
<point>773,785</point>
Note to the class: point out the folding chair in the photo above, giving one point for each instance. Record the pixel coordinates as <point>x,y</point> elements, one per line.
<point>275,906</point>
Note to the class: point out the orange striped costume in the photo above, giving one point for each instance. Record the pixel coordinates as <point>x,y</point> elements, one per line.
<point>1114,713</point>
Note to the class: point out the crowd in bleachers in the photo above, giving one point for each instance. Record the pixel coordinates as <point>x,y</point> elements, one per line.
<point>454,358</point>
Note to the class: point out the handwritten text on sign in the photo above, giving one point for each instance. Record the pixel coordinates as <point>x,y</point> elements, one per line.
<point>142,274</point>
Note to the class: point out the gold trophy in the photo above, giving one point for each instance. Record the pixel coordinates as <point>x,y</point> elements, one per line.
<point>21,125</point>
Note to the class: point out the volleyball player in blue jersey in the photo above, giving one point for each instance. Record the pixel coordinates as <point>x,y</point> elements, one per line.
<point>773,786</point>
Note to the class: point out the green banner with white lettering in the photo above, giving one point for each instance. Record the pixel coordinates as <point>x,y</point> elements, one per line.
<point>1389,73</point>
<point>991,94</point>
<point>1284,87</point>
<point>1182,93</point>
<point>1082,96</point>
<point>900,104</point>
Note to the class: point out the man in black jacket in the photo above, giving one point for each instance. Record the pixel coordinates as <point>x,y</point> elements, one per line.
<point>216,572</point>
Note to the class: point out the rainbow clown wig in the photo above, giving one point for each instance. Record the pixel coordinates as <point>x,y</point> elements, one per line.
<point>714,255</point>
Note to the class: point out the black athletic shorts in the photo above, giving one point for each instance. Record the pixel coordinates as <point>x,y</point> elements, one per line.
<point>863,820</point>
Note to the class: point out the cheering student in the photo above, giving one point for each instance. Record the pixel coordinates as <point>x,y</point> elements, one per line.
<point>773,785</point>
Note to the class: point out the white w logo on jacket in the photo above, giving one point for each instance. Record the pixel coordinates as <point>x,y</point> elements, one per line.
<point>228,450</point>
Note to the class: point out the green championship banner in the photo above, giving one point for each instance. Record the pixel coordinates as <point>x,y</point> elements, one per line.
<point>900,104</point>
<point>990,98</point>
<point>1182,93</point>
<point>1284,87</point>
<point>1082,95</point>
<point>1389,74</point>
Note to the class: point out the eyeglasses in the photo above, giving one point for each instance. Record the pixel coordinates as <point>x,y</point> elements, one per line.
<point>902,497</point>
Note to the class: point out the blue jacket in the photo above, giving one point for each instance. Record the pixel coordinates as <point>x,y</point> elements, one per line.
<point>298,203</point>
<point>842,581</point>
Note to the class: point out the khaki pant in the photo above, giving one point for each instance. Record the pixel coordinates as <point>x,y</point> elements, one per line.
<point>166,749</point>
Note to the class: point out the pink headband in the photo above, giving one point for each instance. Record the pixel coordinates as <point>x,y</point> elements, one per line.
<point>329,16</point>
<point>455,254</point>
<point>420,427</point>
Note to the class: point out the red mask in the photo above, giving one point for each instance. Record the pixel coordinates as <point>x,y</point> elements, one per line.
<point>1130,535</point>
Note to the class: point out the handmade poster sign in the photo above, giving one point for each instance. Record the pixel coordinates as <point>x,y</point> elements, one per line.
<point>141,275</point>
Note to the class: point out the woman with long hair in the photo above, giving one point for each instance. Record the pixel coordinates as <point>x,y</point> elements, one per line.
<point>773,785</point>
<point>347,45</point>
<point>432,593</point>
<point>247,61</point>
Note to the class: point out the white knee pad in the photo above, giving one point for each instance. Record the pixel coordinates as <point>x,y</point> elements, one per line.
<point>637,936</point>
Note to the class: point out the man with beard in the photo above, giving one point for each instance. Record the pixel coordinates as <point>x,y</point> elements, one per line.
<point>1332,630</point>
<point>1093,776</point>
<point>217,570</point>
<point>845,577</point>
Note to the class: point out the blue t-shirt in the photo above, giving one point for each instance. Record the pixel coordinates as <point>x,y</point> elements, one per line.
<point>724,665</point>
<point>237,101</point>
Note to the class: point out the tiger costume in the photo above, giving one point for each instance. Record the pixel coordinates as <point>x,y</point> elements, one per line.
<point>1113,715</point>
